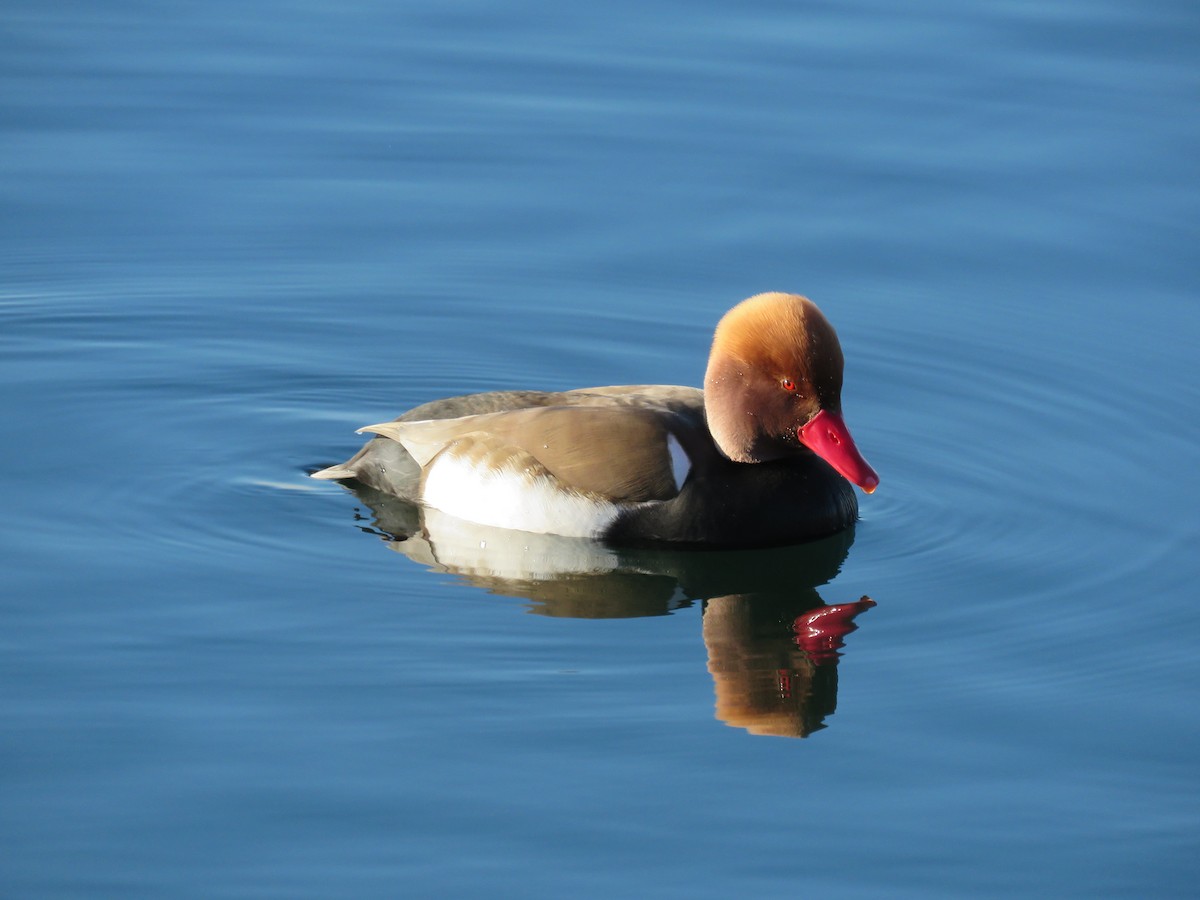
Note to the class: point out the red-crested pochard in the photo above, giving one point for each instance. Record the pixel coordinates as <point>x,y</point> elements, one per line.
<point>760,456</point>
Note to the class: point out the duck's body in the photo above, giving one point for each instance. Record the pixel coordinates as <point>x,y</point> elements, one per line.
<point>734,465</point>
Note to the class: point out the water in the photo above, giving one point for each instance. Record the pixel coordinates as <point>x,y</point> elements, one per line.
<point>235,233</point>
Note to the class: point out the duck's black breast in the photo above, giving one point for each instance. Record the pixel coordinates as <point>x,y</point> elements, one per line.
<point>729,504</point>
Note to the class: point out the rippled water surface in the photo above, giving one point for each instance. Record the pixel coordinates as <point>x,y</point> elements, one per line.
<point>234,233</point>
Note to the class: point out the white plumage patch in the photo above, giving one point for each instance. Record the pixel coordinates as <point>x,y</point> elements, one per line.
<point>681,463</point>
<point>509,497</point>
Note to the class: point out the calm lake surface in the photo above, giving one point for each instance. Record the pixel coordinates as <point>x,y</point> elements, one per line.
<point>233,233</point>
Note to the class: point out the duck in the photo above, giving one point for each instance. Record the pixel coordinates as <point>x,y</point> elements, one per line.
<point>760,456</point>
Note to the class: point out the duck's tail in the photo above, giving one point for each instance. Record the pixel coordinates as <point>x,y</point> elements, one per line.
<point>340,472</point>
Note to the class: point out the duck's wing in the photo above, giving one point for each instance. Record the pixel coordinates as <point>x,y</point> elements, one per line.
<point>618,453</point>
<point>386,466</point>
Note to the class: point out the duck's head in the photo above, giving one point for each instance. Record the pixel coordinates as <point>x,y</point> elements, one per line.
<point>773,388</point>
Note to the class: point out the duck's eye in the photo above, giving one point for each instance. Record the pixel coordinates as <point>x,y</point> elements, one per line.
<point>788,385</point>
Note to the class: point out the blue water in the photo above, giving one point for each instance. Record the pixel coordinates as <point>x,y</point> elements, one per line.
<point>233,233</point>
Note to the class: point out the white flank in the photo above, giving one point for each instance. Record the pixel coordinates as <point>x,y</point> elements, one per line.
<point>681,463</point>
<point>504,498</point>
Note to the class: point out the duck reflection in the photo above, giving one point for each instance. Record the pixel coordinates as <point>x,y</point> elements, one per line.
<point>773,644</point>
